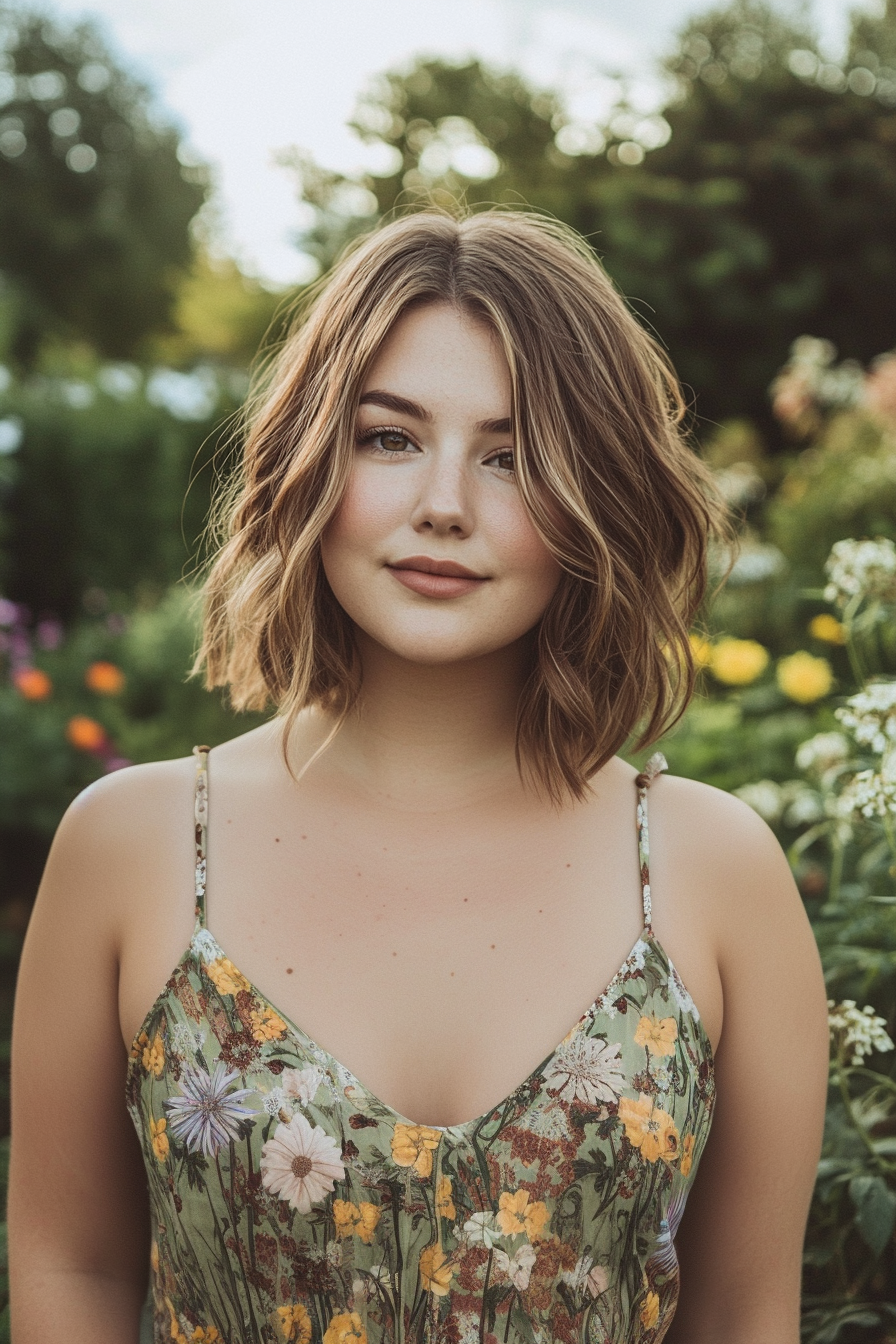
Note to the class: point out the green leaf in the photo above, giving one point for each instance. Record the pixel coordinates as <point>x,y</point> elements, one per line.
<point>875,1210</point>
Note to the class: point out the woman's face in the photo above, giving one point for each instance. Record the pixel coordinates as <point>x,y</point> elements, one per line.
<point>432,553</point>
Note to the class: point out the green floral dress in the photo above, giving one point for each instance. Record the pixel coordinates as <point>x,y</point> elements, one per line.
<point>290,1204</point>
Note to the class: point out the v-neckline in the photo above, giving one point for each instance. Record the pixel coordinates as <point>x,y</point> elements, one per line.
<point>335,1066</point>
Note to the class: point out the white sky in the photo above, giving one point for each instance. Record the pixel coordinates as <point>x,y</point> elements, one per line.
<point>245,78</point>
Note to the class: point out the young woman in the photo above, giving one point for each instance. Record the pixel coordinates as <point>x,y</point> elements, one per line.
<point>460,560</point>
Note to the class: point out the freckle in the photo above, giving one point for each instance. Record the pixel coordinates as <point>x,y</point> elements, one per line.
<point>569,865</point>
<point>452,975</point>
<point>304,837</point>
<point>289,970</point>
<point>276,839</point>
<point>466,898</point>
<point>493,947</point>
<point>395,954</point>
<point>541,912</point>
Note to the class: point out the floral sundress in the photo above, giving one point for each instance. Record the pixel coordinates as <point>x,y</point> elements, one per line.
<point>289,1204</point>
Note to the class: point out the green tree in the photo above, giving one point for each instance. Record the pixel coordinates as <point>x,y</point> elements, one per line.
<point>95,204</point>
<point>758,205</point>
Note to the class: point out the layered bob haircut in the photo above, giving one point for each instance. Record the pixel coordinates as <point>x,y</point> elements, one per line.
<point>604,468</point>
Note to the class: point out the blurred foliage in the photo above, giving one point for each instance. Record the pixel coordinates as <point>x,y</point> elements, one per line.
<point>95,202</point>
<point>759,203</point>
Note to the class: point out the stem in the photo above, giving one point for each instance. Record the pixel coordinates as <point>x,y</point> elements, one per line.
<point>860,1129</point>
<point>838,849</point>
<point>488,1274</point>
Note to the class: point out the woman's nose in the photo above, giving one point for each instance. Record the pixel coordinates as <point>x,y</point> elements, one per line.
<point>444,504</point>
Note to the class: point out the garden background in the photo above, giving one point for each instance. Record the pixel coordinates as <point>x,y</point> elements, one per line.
<point>752,223</point>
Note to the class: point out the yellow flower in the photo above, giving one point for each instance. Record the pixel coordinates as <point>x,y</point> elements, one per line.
<point>177,1334</point>
<point>159,1143</point>
<point>658,1034</point>
<point>444,1202</point>
<point>687,1155</point>
<point>650,1310</point>
<point>154,1056</point>
<point>294,1323</point>
<point>516,1214</point>
<point>266,1024</point>
<point>804,678</point>
<point>827,628</point>
<point>360,1220</point>
<point>344,1215</point>
<point>346,1328</point>
<point>368,1217</point>
<point>649,1128</point>
<point>701,649</point>
<point>435,1272</point>
<point>139,1043</point>
<point>737,662</point>
<point>413,1146</point>
<point>154,1257</point>
<point>225,976</point>
<point>204,1334</point>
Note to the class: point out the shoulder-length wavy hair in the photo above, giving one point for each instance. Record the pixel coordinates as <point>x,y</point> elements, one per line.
<point>605,470</point>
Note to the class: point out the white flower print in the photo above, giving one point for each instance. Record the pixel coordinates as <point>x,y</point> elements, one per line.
<point>274,1101</point>
<point>685,1003</point>
<point>185,1040</point>
<point>481,1230</point>
<point>548,1122</point>
<point>205,947</point>
<point>586,1070</point>
<point>518,1269</point>
<point>586,1276</point>
<point>206,1115</point>
<point>300,1163</point>
<point>302,1084</point>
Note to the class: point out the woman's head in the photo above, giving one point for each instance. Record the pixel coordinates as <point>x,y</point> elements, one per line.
<point>601,526</point>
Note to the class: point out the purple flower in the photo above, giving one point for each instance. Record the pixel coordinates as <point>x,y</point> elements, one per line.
<point>9,612</point>
<point>207,1115</point>
<point>49,633</point>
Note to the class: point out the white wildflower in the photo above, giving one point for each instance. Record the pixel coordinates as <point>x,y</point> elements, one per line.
<point>586,1070</point>
<point>205,947</point>
<point>481,1230</point>
<point>274,1101</point>
<point>586,1275</point>
<point>857,1029</point>
<point>334,1254</point>
<point>680,994</point>
<point>861,567</point>
<point>764,796</point>
<point>185,1040</point>
<point>302,1083</point>
<point>517,1268</point>
<point>872,793</point>
<point>870,715</point>
<point>822,753</point>
<point>547,1122</point>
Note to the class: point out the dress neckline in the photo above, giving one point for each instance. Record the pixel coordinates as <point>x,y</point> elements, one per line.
<point>204,940</point>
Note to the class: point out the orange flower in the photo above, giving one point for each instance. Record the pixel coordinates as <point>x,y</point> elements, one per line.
<point>105,678</point>
<point>159,1141</point>
<point>444,1203</point>
<point>413,1145</point>
<point>225,976</point>
<point>435,1272</point>
<point>294,1323</point>
<point>649,1128</point>
<point>658,1034</point>
<point>353,1219</point>
<point>516,1214</point>
<point>84,733</point>
<point>154,1056</point>
<point>346,1328</point>
<point>650,1310</point>
<point>31,683</point>
<point>687,1154</point>
<point>266,1025</point>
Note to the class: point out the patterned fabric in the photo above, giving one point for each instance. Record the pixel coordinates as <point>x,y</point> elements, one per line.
<point>291,1204</point>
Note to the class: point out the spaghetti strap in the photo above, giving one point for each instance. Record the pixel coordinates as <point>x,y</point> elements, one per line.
<point>654,766</point>
<point>200,822</point>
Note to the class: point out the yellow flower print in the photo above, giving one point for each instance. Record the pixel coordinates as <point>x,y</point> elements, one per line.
<point>687,1155</point>
<point>204,1334</point>
<point>294,1323</point>
<point>139,1043</point>
<point>347,1328</point>
<point>344,1215</point>
<point>154,1056</point>
<point>650,1310</point>
<point>225,976</point>
<point>444,1202</point>
<point>266,1025</point>
<point>516,1214</point>
<point>154,1257</point>
<point>159,1143</point>
<point>177,1335</point>
<point>658,1034</point>
<point>368,1217</point>
<point>353,1219</point>
<point>648,1128</point>
<point>413,1146</point>
<point>435,1272</point>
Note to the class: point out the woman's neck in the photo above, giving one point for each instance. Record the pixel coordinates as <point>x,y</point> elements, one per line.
<point>433,736</point>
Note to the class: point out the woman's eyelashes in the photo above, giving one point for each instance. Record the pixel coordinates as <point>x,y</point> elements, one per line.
<point>390,441</point>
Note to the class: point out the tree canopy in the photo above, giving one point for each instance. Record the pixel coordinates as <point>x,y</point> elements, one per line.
<point>95,202</point>
<point>757,204</point>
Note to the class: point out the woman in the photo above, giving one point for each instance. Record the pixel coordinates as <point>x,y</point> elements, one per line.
<point>461,559</point>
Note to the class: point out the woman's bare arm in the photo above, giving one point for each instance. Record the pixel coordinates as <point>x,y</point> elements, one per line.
<point>741,1239</point>
<point>78,1211</point>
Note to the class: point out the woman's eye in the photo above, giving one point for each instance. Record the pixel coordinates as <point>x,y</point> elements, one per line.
<point>503,461</point>
<point>389,442</point>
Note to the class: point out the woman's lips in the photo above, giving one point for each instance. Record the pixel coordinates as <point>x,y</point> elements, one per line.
<point>436,578</point>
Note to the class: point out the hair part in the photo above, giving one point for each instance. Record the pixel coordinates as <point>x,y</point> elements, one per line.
<point>604,467</point>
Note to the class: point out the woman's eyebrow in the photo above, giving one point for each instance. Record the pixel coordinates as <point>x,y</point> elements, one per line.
<point>390,401</point>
